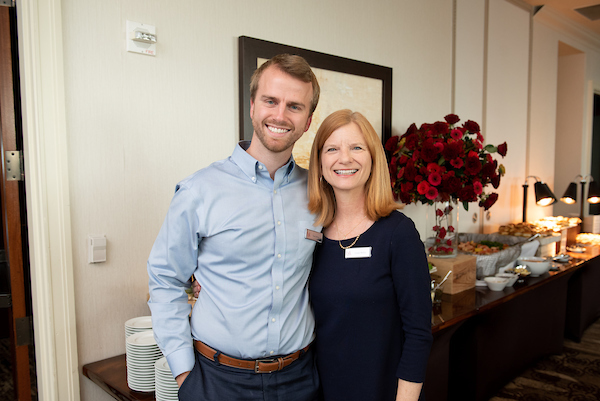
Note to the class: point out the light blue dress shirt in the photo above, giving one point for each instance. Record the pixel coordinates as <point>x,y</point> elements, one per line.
<point>242,235</point>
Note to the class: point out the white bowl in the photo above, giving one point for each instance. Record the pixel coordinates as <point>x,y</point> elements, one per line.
<point>512,278</point>
<point>536,265</point>
<point>496,283</point>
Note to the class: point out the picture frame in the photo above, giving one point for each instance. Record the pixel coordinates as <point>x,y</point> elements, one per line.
<point>345,83</point>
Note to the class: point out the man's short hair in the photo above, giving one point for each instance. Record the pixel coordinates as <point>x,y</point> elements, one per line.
<point>293,65</point>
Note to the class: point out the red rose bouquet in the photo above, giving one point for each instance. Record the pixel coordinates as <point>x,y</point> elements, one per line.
<point>443,161</point>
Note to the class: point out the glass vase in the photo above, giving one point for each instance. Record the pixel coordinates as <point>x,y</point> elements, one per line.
<point>442,230</point>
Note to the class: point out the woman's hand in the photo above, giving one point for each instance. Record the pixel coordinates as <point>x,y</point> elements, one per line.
<point>181,378</point>
<point>196,287</point>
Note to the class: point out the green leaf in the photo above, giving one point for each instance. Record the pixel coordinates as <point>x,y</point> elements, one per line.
<point>466,206</point>
<point>490,148</point>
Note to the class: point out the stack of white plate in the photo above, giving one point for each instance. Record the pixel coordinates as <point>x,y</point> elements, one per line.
<point>166,386</point>
<point>141,352</point>
<point>138,324</point>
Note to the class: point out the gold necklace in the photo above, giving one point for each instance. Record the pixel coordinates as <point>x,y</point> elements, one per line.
<point>355,239</point>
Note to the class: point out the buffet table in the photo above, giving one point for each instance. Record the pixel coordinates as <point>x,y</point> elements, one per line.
<point>482,338</point>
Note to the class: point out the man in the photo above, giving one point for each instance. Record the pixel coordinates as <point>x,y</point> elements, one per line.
<point>240,227</point>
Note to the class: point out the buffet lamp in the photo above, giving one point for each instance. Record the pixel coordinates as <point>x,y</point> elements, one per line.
<point>570,196</point>
<point>543,195</point>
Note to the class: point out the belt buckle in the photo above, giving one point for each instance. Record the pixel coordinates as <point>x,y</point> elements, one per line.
<point>256,362</point>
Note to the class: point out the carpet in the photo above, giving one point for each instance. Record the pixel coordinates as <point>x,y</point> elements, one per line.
<point>573,375</point>
<point>7,392</point>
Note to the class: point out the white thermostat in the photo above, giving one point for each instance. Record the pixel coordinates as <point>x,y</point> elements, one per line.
<point>96,248</point>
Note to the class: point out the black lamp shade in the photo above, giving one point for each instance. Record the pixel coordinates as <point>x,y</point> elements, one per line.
<point>570,196</point>
<point>543,194</point>
<point>593,192</point>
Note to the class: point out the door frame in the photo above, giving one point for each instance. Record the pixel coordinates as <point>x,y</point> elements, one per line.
<point>39,26</point>
<point>10,190</point>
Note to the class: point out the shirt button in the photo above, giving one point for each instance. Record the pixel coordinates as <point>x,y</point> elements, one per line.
<point>278,255</point>
<point>273,319</point>
<point>260,167</point>
<point>277,287</point>
<point>278,223</point>
<point>253,179</point>
<point>275,191</point>
<point>272,352</point>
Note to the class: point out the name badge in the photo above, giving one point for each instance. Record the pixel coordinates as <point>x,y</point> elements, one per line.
<point>356,253</point>
<point>314,236</point>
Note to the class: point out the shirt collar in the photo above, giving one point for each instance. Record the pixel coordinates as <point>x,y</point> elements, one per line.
<point>252,167</point>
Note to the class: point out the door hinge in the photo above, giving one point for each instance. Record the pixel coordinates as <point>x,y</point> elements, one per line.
<point>7,3</point>
<point>5,301</point>
<point>24,330</point>
<point>13,165</point>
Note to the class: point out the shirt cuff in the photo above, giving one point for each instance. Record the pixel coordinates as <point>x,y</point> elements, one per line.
<point>181,361</point>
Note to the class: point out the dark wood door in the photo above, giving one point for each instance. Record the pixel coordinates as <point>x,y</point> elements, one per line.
<point>13,219</point>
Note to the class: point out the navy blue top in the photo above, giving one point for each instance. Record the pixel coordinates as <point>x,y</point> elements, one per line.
<point>373,314</point>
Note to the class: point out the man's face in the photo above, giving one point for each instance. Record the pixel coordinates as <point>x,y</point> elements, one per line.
<point>280,111</point>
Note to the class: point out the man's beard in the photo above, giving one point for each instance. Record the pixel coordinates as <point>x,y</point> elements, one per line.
<point>276,145</point>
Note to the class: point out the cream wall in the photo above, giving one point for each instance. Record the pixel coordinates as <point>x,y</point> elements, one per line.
<point>560,159</point>
<point>135,125</point>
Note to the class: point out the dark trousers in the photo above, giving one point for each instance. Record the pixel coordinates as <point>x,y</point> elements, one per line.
<point>211,381</point>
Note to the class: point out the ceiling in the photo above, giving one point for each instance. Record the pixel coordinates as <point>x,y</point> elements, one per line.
<point>567,7</point>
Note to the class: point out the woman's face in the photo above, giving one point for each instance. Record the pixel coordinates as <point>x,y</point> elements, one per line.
<point>346,160</point>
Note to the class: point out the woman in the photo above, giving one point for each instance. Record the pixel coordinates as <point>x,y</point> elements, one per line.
<point>370,282</point>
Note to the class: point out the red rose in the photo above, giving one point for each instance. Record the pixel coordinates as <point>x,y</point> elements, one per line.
<point>467,194</point>
<point>411,130</point>
<point>477,187</point>
<point>452,119</point>
<point>392,144</point>
<point>406,186</point>
<point>411,141</point>
<point>489,201</point>
<point>471,126</point>
<point>502,148</point>
<point>429,151</point>
<point>410,172</point>
<point>488,170</point>
<point>405,198</point>
<point>472,165</point>
<point>452,150</point>
<point>422,187</point>
<point>451,185</point>
<point>440,128</point>
<point>495,181</point>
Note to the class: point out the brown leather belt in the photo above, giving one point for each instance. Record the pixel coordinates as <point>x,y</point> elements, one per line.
<point>266,365</point>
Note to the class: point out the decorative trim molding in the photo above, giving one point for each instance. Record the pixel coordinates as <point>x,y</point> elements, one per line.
<point>47,184</point>
<point>552,19</point>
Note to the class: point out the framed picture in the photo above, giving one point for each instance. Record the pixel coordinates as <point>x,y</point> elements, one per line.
<point>345,84</point>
